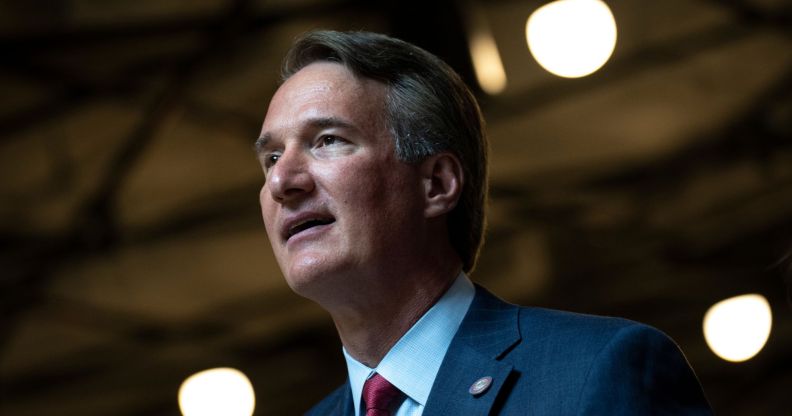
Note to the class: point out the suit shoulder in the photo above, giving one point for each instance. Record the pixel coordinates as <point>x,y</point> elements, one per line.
<point>541,320</point>
<point>582,334</point>
<point>583,357</point>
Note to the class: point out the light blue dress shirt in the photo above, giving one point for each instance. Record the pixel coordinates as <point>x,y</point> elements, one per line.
<point>413,362</point>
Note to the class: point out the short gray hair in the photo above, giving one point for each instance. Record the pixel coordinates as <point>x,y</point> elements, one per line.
<point>428,109</point>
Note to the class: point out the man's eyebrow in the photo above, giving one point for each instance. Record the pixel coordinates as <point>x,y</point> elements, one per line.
<point>314,123</point>
<point>261,142</point>
<point>324,122</point>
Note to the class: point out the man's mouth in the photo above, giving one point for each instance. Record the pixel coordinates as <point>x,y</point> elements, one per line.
<point>307,224</point>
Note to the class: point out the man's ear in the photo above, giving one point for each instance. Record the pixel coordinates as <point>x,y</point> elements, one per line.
<point>442,179</point>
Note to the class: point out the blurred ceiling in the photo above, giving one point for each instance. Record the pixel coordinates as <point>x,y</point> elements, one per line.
<point>132,247</point>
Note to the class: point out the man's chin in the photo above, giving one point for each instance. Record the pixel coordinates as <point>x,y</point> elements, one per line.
<point>313,280</point>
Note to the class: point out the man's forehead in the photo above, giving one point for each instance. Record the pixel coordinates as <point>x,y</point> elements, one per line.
<point>296,88</point>
<point>320,77</point>
<point>325,77</point>
<point>324,91</point>
<point>310,123</point>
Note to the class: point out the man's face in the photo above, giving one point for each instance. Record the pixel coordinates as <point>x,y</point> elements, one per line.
<point>338,206</point>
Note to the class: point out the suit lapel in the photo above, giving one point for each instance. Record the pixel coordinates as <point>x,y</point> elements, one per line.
<point>487,333</point>
<point>345,405</point>
<point>338,403</point>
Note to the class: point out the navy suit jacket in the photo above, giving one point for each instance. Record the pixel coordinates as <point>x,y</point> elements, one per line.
<point>545,362</point>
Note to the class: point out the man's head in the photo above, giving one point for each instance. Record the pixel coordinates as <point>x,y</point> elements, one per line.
<point>428,110</point>
<point>371,169</point>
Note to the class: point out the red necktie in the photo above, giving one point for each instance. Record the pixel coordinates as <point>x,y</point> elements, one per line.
<point>379,395</point>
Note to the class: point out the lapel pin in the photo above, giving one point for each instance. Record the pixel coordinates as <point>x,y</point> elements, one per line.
<point>480,386</point>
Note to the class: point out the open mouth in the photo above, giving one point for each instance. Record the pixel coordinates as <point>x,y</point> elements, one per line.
<point>308,224</point>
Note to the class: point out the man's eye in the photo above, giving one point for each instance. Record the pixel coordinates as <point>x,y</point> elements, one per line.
<point>270,159</point>
<point>329,140</point>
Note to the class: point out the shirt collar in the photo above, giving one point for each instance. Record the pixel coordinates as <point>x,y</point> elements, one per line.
<point>413,362</point>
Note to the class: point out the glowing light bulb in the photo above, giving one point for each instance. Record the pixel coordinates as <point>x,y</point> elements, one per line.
<point>736,329</point>
<point>217,392</point>
<point>571,38</point>
<point>487,63</point>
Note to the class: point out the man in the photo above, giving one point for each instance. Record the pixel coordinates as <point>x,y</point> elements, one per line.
<point>375,162</point>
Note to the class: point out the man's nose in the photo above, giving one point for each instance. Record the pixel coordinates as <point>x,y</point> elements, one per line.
<point>290,177</point>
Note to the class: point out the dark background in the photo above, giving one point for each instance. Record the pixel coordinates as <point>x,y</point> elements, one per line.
<point>132,247</point>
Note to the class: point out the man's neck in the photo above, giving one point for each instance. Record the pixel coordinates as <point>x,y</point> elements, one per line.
<point>369,330</point>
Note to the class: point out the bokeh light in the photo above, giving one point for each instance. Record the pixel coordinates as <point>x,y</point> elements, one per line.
<point>571,38</point>
<point>736,329</point>
<point>217,392</point>
<point>487,62</point>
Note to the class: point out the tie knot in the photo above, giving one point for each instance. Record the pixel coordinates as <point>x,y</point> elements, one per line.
<point>379,395</point>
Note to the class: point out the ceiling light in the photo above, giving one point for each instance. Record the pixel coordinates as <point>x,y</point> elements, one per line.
<point>571,38</point>
<point>487,62</point>
<point>217,392</point>
<point>736,329</point>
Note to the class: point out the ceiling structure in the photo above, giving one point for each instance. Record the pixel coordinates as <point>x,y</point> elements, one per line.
<point>133,252</point>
